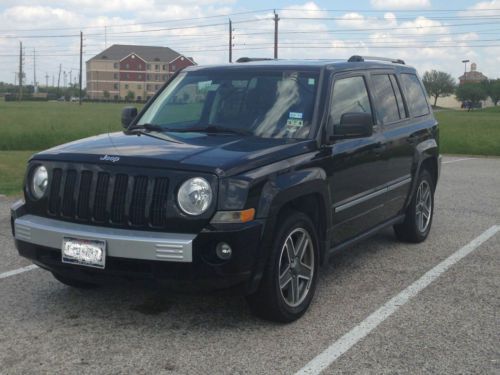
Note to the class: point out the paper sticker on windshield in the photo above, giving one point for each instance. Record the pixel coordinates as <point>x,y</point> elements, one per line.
<point>311,81</point>
<point>294,124</point>
<point>295,115</point>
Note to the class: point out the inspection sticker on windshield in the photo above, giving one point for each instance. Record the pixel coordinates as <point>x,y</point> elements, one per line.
<point>294,123</point>
<point>295,115</point>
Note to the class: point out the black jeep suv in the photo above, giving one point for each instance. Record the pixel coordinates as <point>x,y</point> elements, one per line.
<point>243,176</point>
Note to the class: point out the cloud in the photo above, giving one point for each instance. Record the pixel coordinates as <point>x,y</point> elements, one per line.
<point>400,4</point>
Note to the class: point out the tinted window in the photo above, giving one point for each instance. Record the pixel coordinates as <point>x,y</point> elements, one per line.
<point>349,95</point>
<point>277,104</point>
<point>399,98</point>
<point>383,91</point>
<point>415,96</point>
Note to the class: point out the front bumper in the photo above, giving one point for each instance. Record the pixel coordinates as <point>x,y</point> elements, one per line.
<point>181,261</point>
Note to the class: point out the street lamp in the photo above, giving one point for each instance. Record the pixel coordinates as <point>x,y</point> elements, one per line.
<point>465,69</point>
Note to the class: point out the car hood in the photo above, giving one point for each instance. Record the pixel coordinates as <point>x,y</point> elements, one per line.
<point>216,153</point>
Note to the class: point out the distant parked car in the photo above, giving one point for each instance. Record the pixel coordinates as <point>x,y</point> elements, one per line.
<point>74,99</point>
<point>61,99</point>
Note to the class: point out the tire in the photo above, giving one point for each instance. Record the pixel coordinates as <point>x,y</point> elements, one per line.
<point>74,283</point>
<point>417,223</point>
<point>290,301</point>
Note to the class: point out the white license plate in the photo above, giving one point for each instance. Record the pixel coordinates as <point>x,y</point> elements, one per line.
<point>91,253</point>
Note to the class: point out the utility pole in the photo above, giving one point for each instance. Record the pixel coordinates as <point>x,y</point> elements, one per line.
<point>59,80</point>
<point>276,19</point>
<point>71,78</point>
<point>20,70</point>
<point>230,41</point>
<point>105,37</point>
<point>35,89</point>
<point>46,79</point>
<point>80,77</point>
<point>53,80</point>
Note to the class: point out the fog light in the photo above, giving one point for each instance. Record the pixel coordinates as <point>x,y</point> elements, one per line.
<point>223,251</point>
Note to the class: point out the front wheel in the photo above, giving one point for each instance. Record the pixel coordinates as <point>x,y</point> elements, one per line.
<point>419,213</point>
<point>290,278</point>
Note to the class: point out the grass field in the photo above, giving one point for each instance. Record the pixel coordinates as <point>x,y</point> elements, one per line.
<point>472,133</point>
<point>30,126</point>
<point>40,125</point>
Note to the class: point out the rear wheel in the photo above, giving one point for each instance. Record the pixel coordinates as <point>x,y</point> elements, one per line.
<point>290,278</point>
<point>419,213</point>
<point>74,283</point>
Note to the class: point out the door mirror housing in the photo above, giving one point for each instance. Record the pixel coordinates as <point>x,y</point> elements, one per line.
<point>354,125</point>
<point>128,115</point>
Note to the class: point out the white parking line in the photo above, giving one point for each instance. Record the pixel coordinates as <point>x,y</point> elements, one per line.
<point>4,275</point>
<point>346,342</point>
<point>456,160</point>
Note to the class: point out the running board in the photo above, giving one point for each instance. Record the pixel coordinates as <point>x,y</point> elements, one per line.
<point>396,220</point>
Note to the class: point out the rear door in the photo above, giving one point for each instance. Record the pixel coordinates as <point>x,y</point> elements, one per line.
<point>356,165</point>
<point>399,147</point>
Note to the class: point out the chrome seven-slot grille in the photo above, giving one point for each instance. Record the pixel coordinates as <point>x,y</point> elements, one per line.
<point>108,198</point>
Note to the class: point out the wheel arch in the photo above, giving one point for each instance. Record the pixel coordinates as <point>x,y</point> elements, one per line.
<point>305,191</point>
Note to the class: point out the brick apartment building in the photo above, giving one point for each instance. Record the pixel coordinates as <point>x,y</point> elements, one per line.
<point>142,70</point>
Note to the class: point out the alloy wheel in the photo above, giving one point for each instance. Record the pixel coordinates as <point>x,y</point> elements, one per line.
<point>296,267</point>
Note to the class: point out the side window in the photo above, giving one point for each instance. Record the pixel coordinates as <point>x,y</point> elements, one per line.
<point>349,95</point>
<point>399,97</point>
<point>415,96</point>
<point>383,91</point>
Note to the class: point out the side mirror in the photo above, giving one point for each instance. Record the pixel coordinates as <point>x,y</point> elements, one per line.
<point>128,115</point>
<point>354,125</point>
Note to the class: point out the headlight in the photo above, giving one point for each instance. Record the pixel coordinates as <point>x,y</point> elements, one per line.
<point>39,182</point>
<point>194,196</point>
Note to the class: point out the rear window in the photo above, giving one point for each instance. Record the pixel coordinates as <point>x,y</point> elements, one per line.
<point>388,107</point>
<point>415,95</point>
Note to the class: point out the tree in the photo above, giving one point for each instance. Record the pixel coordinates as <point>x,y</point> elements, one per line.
<point>438,84</point>
<point>473,92</point>
<point>492,87</point>
<point>130,96</point>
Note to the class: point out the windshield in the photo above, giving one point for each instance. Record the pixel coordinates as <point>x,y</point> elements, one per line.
<point>275,104</point>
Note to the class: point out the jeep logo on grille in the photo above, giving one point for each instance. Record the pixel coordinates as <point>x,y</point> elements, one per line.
<point>109,158</point>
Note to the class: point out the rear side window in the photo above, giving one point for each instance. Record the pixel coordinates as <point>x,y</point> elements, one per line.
<point>415,96</point>
<point>349,95</point>
<point>384,92</point>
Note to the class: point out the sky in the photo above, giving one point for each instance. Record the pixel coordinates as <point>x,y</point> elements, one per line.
<point>427,34</point>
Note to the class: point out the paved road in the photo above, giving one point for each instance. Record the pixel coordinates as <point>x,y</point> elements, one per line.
<point>452,326</point>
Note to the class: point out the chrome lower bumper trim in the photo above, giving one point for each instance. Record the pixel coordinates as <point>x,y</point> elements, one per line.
<point>121,243</point>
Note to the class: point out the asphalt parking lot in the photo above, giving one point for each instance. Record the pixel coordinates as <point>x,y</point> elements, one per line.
<point>449,326</point>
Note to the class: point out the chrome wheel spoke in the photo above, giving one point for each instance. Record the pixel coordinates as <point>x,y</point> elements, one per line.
<point>304,271</point>
<point>285,278</point>
<point>295,290</point>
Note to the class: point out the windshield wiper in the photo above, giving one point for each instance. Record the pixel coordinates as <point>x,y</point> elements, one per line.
<point>212,129</point>
<point>147,127</point>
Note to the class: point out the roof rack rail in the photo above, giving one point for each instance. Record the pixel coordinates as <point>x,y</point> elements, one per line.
<point>250,59</point>
<point>357,58</point>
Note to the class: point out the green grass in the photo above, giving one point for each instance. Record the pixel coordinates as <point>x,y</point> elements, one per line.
<point>12,168</point>
<point>40,125</point>
<point>471,133</point>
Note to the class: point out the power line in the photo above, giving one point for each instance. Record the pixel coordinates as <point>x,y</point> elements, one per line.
<point>225,15</point>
